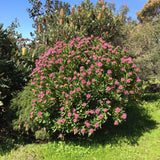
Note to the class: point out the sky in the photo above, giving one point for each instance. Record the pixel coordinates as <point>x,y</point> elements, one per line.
<point>11,9</point>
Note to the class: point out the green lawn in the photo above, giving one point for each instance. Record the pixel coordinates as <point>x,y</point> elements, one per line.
<point>136,139</point>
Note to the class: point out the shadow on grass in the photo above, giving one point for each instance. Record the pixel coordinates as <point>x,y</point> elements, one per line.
<point>138,122</point>
<point>151,97</point>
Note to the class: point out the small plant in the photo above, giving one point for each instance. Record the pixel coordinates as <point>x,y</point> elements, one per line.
<point>79,85</point>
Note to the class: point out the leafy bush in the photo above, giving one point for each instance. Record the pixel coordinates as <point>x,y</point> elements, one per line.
<point>59,26</point>
<point>19,109</point>
<point>78,86</point>
<point>144,45</point>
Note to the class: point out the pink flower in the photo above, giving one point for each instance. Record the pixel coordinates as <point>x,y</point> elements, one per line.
<point>75,120</point>
<point>69,78</point>
<point>60,136</point>
<point>122,79</point>
<point>116,123</point>
<point>39,113</point>
<point>91,130</point>
<point>97,111</point>
<point>88,125</point>
<point>32,83</point>
<point>84,73</point>
<point>69,114</point>
<point>34,100</point>
<point>69,61</point>
<point>47,92</point>
<point>88,96</point>
<point>75,131</point>
<point>108,101</point>
<point>59,121</point>
<point>66,95</point>
<point>109,71</point>
<point>108,88</point>
<point>91,112</point>
<point>138,79</point>
<point>62,108</point>
<point>67,102</point>
<point>89,72</point>
<point>88,83</point>
<point>93,80</point>
<point>84,104</point>
<point>133,66</point>
<point>73,110</point>
<point>131,92</point>
<point>101,102</point>
<point>76,116</point>
<point>92,66</point>
<point>124,116</point>
<point>108,60</point>
<point>63,120</point>
<point>83,81</point>
<point>100,116</point>
<point>74,78</point>
<point>114,62</point>
<point>130,73</point>
<point>61,67</point>
<point>71,92</point>
<point>116,82</point>
<point>123,69</point>
<point>87,112</point>
<point>99,64</point>
<point>97,70</point>
<point>118,110</point>
<point>45,101</point>
<point>128,80</point>
<point>96,125</point>
<point>52,98</point>
<point>126,92</point>
<point>82,131</point>
<point>120,87</point>
<point>105,109</point>
<point>110,78</point>
<point>78,89</point>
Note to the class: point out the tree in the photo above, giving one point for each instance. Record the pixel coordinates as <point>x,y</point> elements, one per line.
<point>143,44</point>
<point>150,11</point>
<point>57,24</point>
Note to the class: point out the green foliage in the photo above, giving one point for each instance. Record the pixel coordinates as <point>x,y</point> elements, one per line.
<point>144,45</point>
<point>19,111</point>
<point>78,86</point>
<point>85,20</point>
<point>150,11</point>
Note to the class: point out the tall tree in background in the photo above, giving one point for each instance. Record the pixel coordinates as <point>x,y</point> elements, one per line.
<point>43,14</point>
<point>150,11</point>
<point>54,22</point>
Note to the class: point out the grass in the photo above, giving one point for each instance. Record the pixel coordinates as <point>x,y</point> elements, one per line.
<point>136,139</point>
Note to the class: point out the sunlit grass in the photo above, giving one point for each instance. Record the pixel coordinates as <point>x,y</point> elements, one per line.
<point>136,139</point>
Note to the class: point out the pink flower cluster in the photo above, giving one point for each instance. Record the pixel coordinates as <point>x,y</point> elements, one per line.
<point>78,85</point>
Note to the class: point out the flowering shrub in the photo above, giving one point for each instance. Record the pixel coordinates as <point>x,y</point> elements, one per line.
<point>78,86</point>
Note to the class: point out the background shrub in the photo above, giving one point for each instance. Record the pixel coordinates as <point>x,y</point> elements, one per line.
<point>61,25</point>
<point>78,86</point>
